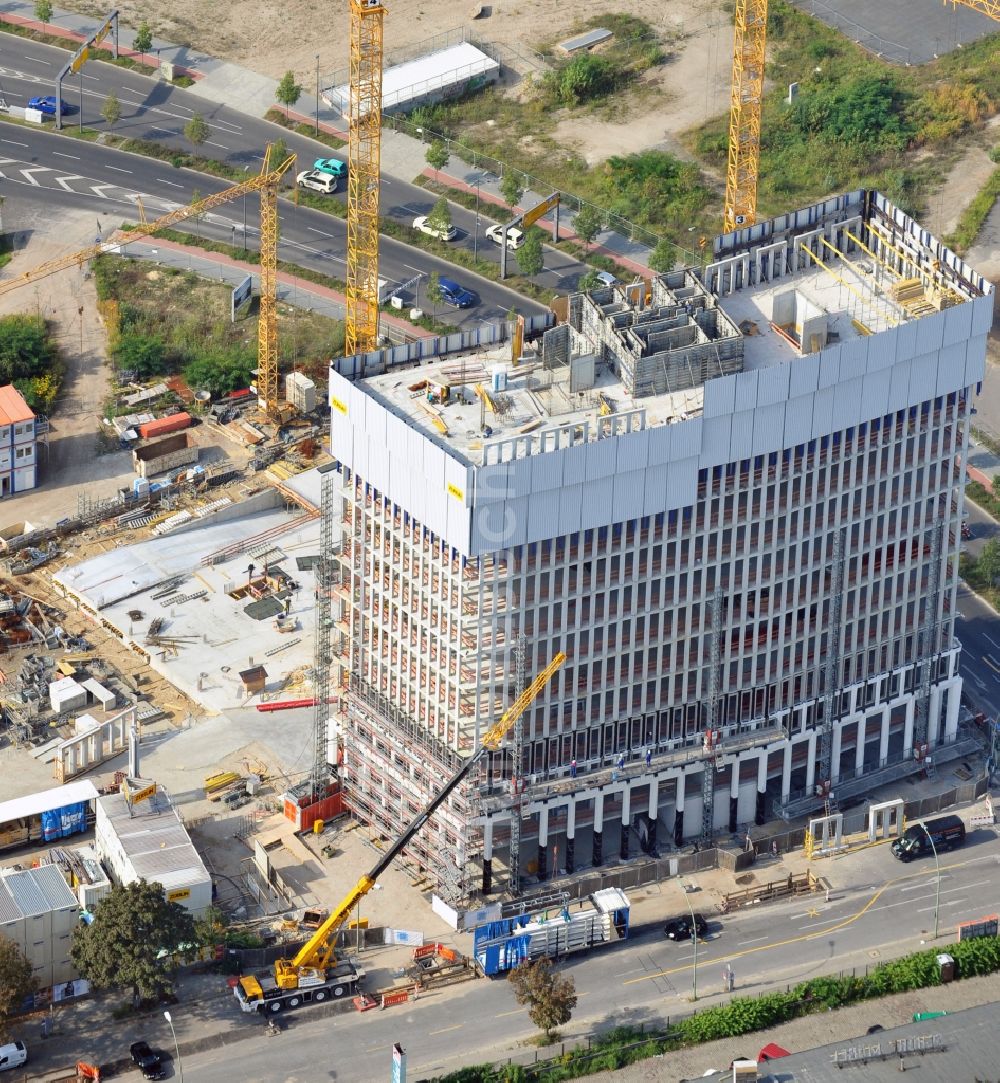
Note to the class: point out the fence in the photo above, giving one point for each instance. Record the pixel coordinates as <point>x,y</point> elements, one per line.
<point>867,39</point>
<point>485,334</point>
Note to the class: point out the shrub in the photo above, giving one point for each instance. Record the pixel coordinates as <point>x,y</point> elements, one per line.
<point>144,355</point>
<point>25,349</point>
<point>583,79</point>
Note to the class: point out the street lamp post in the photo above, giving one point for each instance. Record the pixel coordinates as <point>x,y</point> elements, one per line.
<point>177,1049</point>
<point>475,248</point>
<point>694,940</point>
<point>937,879</point>
<point>317,94</point>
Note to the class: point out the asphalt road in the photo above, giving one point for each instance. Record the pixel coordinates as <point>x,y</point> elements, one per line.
<point>877,907</point>
<point>977,626</point>
<point>156,111</point>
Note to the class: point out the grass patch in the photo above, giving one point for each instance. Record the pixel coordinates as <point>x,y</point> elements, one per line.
<point>169,320</point>
<point>970,572</point>
<point>986,440</point>
<point>276,116</point>
<point>975,215</point>
<point>982,496</point>
<point>71,46</point>
<point>858,121</point>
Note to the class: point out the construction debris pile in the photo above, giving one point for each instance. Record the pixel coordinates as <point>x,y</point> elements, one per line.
<point>26,622</point>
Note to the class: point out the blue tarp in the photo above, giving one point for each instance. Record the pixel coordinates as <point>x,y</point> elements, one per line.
<point>68,820</point>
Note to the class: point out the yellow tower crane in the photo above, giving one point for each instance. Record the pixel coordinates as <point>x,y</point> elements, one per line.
<point>363,178</point>
<point>747,100</point>
<point>266,183</point>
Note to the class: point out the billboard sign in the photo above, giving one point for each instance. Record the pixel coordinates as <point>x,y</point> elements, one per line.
<point>241,294</point>
<point>529,218</point>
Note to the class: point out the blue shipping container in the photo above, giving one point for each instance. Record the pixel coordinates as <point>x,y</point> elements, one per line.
<point>68,820</point>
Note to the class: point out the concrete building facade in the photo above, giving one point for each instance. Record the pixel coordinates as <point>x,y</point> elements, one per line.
<point>734,503</point>
<point>18,444</point>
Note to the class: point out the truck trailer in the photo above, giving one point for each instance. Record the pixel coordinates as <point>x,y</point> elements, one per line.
<point>505,944</point>
<point>928,836</point>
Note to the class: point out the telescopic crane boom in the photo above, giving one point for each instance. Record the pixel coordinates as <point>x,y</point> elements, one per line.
<point>310,964</point>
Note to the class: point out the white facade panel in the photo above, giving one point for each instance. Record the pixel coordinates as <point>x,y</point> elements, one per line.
<point>520,476</point>
<point>853,358</point>
<point>930,333</point>
<point>975,361</point>
<point>957,325</point>
<point>881,352</point>
<point>574,465</point>
<point>570,504</point>
<point>875,393</point>
<point>899,385</point>
<point>923,377</point>
<point>660,439</point>
<point>396,436</point>
<point>746,390</point>
<point>543,516</point>
<point>847,403</point>
<point>628,497</point>
<point>633,452</point>
<point>715,445</point>
<point>798,421</point>
<point>768,427</point>
<point>803,375</point>
<point>772,385</point>
<point>24,478</point>
<point>686,439</point>
<point>375,422</point>
<point>378,464</point>
<point>547,473</point>
<point>515,522</point>
<point>434,459</point>
<point>597,502</point>
<point>601,459</point>
<point>458,524</point>
<point>682,483</point>
<point>951,368</point>
<point>436,509</point>
<point>458,481</point>
<point>741,438</point>
<point>822,419</point>
<point>415,444</point>
<point>720,396</point>
<point>655,485</point>
<point>905,338</point>
<point>829,366</point>
<point>982,315</point>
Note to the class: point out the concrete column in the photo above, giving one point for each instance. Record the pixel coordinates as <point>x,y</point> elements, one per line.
<point>570,836</point>
<point>760,813</point>
<point>786,772</point>
<point>679,811</point>
<point>488,855</point>
<point>626,818</point>
<point>543,844</point>
<point>911,710</point>
<point>859,752</point>
<point>934,715</point>
<point>597,857</point>
<point>883,744</point>
<point>951,717</point>
<point>811,763</point>
<point>838,734</point>
<point>734,795</point>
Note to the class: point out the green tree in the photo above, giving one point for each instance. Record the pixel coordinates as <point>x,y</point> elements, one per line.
<point>530,256</point>
<point>25,348</point>
<point>221,371</point>
<point>121,947</point>
<point>996,486</point>
<point>587,223</point>
<point>550,997</point>
<point>288,91</point>
<point>43,11</point>
<point>437,156</point>
<point>588,281</point>
<point>145,355</point>
<point>16,981</point>
<point>196,131</point>
<point>143,40</point>
<point>434,292</point>
<point>440,216</point>
<point>988,564</point>
<point>663,256</point>
<point>511,187</point>
<point>111,110</point>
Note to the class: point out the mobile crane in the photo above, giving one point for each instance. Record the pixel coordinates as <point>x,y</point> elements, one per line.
<point>315,974</point>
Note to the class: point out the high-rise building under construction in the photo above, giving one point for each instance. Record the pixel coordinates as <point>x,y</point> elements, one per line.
<point>732,496</point>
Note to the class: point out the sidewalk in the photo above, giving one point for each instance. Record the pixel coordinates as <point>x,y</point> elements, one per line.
<point>402,156</point>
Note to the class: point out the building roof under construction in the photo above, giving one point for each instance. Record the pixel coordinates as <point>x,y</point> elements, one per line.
<point>13,408</point>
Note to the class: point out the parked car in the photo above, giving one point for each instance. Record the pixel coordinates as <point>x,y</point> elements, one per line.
<point>424,226</point>
<point>12,1055</point>
<point>334,166</point>
<point>455,295</point>
<point>515,237</point>
<point>680,928</point>
<point>317,181</point>
<point>147,1060</point>
<point>46,105</point>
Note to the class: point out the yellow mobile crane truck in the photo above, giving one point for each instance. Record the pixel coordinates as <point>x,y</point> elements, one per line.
<point>315,974</point>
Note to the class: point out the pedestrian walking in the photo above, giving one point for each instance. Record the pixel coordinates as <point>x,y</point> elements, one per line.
<point>649,756</point>
<point>572,768</point>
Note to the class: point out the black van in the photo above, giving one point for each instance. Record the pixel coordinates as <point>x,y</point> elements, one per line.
<point>944,833</point>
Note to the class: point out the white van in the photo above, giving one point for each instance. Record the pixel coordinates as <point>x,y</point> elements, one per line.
<point>515,237</point>
<point>13,1055</point>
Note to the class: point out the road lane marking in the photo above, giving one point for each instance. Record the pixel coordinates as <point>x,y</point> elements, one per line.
<point>59,154</point>
<point>444,1030</point>
<point>35,60</point>
<point>409,268</point>
<point>117,169</point>
<point>13,142</point>
<point>756,940</point>
<point>950,902</point>
<point>517,1011</point>
<point>988,659</point>
<point>992,641</point>
<point>173,184</point>
<point>978,680</point>
<point>850,920</point>
<point>313,229</point>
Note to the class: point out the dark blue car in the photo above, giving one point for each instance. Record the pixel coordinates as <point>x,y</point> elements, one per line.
<point>455,295</point>
<point>47,105</point>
